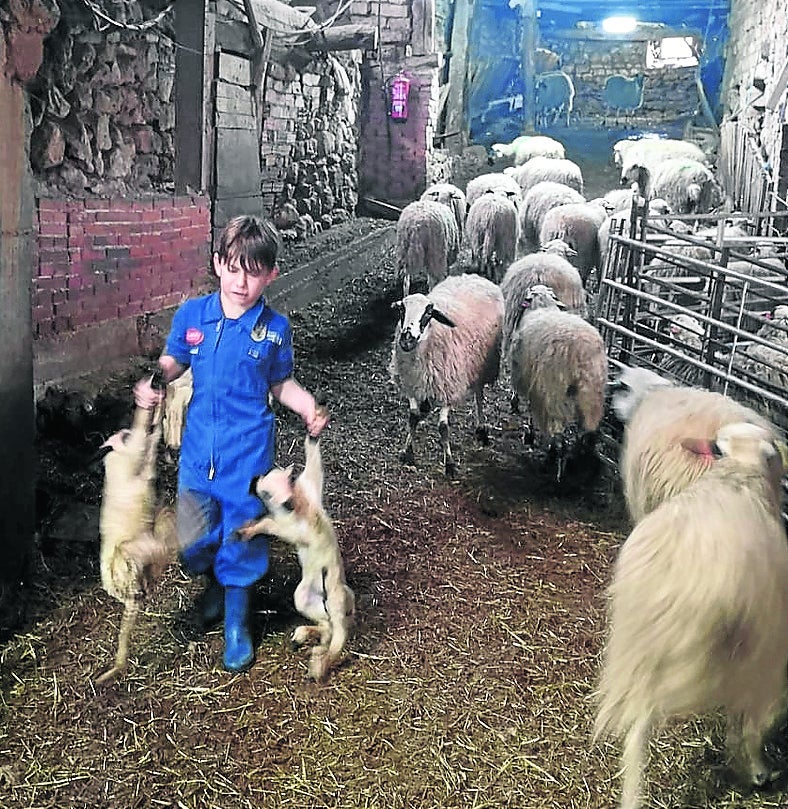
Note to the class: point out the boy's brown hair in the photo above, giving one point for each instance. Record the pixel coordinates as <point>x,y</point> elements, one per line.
<point>253,241</point>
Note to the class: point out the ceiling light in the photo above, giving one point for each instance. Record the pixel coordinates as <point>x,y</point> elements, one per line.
<point>619,25</point>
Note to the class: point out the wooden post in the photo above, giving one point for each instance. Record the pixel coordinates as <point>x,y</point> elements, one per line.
<point>456,123</point>
<point>529,40</point>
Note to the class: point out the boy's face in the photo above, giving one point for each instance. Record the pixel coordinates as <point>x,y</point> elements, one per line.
<point>240,289</point>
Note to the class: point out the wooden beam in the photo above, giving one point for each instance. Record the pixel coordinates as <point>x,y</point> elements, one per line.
<point>458,69</point>
<point>361,36</point>
<point>528,14</point>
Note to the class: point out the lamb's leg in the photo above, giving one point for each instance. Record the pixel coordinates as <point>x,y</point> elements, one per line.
<point>443,433</point>
<point>634,762</point>
<point>131,608</point>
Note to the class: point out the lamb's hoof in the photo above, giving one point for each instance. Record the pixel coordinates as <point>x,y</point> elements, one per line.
<point>482,436</point>
<point>318,664</point>
<point>451,470</point>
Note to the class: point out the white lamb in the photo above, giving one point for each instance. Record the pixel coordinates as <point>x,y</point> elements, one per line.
<point>549,269</point>
<point>658,416</point>
<point>559,364</point>
<point>428,240</point>
<point>526,147</point>
<point>447,345</point>
<point>497,182</point>
<point>492,234</point>
<point>698,608</point>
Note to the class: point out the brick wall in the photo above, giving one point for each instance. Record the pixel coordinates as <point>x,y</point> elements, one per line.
<point>103,264</point>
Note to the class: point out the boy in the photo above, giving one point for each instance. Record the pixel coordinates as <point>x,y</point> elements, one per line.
<point>239,350</point>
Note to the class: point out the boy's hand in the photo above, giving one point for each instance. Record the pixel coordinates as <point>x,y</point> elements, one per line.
<point>318,421</point>
<point>146,396</point>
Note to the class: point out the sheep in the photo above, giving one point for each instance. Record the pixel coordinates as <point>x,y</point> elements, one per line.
<point>770,362</point>
<point>176,403</point>
<point>548,269</point>
<point>646,154</point>
<point>526,147</point>
<point>686,185</point>
<point>538,169</point>
<point>446,345</point>
<point>454,197</point>
<point>686,334</point>
<point>495,181</point>
<point>137,544</point>
<point>554,97</point>
<point>558,362</point>
<point>427,239</point>
<point>322,594</point>
<point>657,415</point>
<point>698,608</point>
<point>536,203</point>
<point>578,225</point>
<point>491,233</point>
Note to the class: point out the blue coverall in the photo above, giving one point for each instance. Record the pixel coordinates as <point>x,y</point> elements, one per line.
<point>230,428</point>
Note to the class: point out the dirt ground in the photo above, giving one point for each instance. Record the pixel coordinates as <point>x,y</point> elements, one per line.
<point>469,676</point>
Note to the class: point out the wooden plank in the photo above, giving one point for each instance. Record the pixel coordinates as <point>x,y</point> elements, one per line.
<point>234,104</point>
<point>458,69</point>
<point>237,162</point>
<point>362,36</point>
<point>281,18</point>
<point>236,120</point>
<point>209,65</point>
<point>231,92</point>
<point>235,69</point>
<point>423,14</point>
<point>528,15</point>
<point>233,36</point>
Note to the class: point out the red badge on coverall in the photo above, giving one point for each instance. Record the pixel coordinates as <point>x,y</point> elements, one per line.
<point>194,336</point>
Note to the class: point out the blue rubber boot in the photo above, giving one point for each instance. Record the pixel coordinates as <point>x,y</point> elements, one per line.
<point>238,650</point>
<point>211,601</point>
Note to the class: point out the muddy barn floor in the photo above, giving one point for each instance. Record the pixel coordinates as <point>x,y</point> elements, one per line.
<point>480,619</point>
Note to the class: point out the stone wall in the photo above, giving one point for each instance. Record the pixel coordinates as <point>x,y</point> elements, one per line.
<point>755,58</point>
<point>669,94</point>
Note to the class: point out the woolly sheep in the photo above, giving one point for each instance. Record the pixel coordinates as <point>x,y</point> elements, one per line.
<point>447,345</point>
<point>578,225</point>
<point>547,269</point>
<point>491,234</point>
<point>558,362</point>
<point>495,181</point>
<point>698,608</point>
<point>647,154</point>
<point>536,203</point>
<point>452,196</point>
<point>686,185</point>
<point>658,416</point>
<point>770,362</point>
<point>526,147</point>
<point>427,239</point>
<point>539,169</point>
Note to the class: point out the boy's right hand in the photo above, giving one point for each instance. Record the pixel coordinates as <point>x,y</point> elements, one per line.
<point>146,396</point>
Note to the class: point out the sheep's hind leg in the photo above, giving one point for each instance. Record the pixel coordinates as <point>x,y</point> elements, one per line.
<point>443,432</point>
<point>482,434</point>
<point>130,611</point>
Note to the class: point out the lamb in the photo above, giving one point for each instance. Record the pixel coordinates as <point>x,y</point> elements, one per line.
<point>548,269</point>
<point>447,344</point>
<point>770,362</point>
<point>558,362</point>
<point>658,416</point>
<point>578,225</point>
<point>526,147</point>
<point>686,334</point>
<point>427,239</point>
<point>492,235</point>
<point>495,181</point>
<point>647,154</point>
<point>454,197</point>
<point>698,607</point>
<point>137,544</point>
<point>536,203</point>
<point>296,515</point>
<point>539,169</point>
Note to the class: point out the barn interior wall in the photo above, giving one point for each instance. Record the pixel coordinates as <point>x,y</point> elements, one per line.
<point>756,54</point>
<point>669,93</point>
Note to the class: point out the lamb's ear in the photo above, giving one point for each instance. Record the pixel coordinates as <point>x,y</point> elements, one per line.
<point>441,318</point>
<point>399,308</point>
<point>703,447</point>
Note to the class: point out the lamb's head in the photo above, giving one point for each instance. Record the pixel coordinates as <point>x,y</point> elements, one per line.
<point>631,387</point>
<point>686,329</point>
<point>558,247</point>
<point>274,488</point>
<point>416,312</point>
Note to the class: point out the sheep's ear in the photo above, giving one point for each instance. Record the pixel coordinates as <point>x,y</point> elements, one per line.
<point>399,308</point>
<point>703,447</point>
<point>441,318</point>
